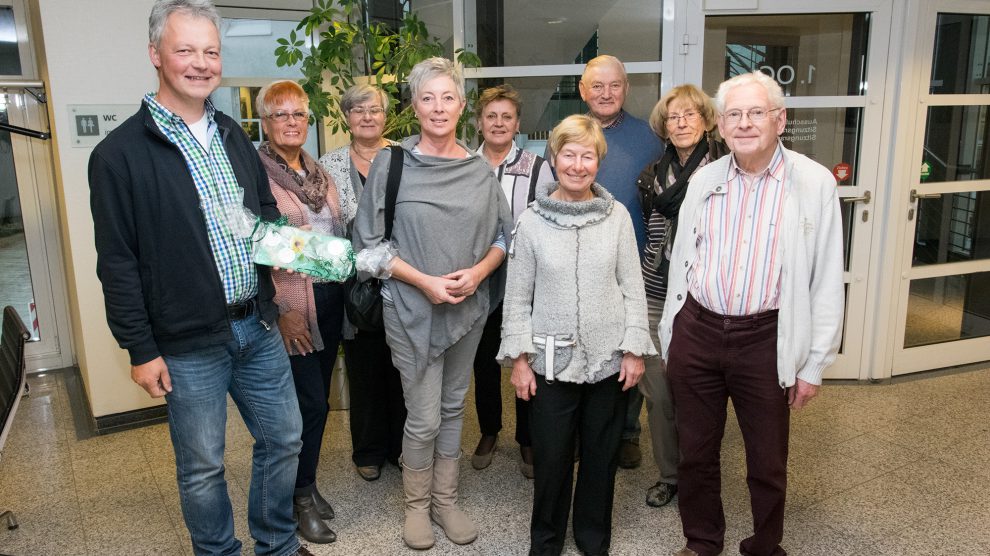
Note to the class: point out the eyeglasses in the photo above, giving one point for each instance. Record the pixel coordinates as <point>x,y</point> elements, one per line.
<point>282,117</point>
<point>733,117</point>
<point>673,119</point>
<point>361,110</point>
<point>614,87</point>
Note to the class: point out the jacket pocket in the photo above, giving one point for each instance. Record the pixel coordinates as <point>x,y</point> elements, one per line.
<point>563,352</point>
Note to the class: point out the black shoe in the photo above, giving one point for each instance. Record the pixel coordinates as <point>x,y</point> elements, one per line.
<point>660,494</point>
<point>308,521</point>
<point>303,551</point>
<point>322,506</point>
<point>629,454</point>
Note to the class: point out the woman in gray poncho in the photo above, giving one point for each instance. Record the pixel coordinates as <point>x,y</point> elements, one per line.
<point>575,332</point>
<point>449,228</point>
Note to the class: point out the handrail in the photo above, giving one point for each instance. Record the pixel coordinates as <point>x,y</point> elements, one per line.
<point>25,131</point>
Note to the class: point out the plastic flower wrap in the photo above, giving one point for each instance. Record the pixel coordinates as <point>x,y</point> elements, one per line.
<point>278,244</point>
<point>377,261</point>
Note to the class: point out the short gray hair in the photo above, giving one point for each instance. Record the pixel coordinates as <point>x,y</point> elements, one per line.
<point>435,67</point>
<point>774,93</point>
<point>605,60</point>
<point>361,93</point>
<point>164,8</point>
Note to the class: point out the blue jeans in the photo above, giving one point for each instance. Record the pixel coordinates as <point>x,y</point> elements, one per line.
<point>254,369</point>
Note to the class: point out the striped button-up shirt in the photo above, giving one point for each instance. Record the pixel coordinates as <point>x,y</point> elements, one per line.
<point>737,271</point>
<point>217,187</point>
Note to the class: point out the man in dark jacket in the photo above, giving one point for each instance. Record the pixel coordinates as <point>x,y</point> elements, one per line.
<point>183,296</point>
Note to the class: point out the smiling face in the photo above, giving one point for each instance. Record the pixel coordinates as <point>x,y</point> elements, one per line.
<point>188,62</point>
<point>686,131</point>
<point>603,88</point>
<point>366,123</point>
<point>438,105</point>
<point>289,136</point>
<point>577,166</point>
<point>499,123</point>
<point>752,143</point>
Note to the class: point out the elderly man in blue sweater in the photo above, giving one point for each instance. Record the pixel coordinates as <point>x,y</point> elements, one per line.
<point>631,146</point>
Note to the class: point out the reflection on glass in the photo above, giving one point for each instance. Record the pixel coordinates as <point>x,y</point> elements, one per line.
<point>10,57</point>
<point>524,33</point>
<point>547,100</point>
<point>827,135</point>
<point>956,144</point>
<point>952,227</point>
<point>15,272</point>
<point>848,211</point>
<point>961,57</point>
<point>808,54</point>
<point>248,45</point>
<point>948,308</point>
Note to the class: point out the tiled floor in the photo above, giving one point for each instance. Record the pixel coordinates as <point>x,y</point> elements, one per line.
<point>887,469</point>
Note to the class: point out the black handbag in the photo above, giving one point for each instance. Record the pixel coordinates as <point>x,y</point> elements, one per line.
<point>363,300</point>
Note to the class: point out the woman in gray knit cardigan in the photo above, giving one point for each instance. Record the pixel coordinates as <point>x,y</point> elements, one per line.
<point>575,332</point>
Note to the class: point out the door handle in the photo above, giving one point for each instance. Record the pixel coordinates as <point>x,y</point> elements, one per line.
<point>865,199</point>
<point>915,195</point>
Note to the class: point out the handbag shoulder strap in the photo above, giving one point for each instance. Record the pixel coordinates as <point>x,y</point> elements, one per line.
<point>392,188</point>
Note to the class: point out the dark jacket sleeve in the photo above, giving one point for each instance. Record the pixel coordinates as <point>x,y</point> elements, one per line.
<point>117,259</point>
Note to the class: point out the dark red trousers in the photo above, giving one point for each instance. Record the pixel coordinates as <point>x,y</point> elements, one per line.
<point>714,358</point>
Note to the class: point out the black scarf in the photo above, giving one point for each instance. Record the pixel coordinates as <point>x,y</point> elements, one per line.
<point>668,203</point>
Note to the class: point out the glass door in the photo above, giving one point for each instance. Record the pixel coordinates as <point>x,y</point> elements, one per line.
<point>832,68</point>
<point>31,275</point>
<point>944,293</point>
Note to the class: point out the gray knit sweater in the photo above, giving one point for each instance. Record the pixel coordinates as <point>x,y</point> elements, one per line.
<point>574,274</point>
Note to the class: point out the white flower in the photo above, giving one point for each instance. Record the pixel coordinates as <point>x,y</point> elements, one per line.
<point>271,239</point>
<point>286,255</point>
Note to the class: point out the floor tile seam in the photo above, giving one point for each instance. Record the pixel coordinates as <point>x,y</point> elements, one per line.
<point>852,487</point>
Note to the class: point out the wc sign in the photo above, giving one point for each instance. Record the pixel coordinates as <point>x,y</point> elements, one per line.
<point>90,123</point>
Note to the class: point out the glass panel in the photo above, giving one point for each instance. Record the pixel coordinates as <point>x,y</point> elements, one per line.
<point>248,48</point>
<point>438,15</point>
<point>951,228</point>
<point>961,57</point>
<point>15,271</point>
<point>808,54</point>
<point>848,211</point>
<point>948,308</point>
<point>827,135</point>
<point>10,57</point>
<point>956,141</point>
<point>547,100</point>
<point>524,33</point>
<point>238,103</point>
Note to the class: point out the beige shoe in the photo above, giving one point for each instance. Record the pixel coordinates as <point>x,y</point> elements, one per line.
<point>456,525</point>
<point>685,552</point>
<point>417,532</point>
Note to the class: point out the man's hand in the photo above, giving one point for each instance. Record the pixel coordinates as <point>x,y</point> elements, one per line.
<point>153,377</point>
<point>800,394</point>
<point>631,370</point>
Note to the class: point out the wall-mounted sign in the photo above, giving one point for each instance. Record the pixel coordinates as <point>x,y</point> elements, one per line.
<point>90,123</point>
<point>842,171</point>
<point>926,170</point>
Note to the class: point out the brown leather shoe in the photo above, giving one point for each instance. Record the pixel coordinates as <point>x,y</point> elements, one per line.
<point>483,454</point>
<point>685,552</point>
<point>369,472</point>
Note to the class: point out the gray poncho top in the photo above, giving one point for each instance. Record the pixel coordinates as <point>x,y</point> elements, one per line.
<point>447,214</point>
<point>574,274</point>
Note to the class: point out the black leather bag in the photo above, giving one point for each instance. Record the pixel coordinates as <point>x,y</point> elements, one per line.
<point>363,300</point>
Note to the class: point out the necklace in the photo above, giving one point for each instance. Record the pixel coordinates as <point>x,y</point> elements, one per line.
<point>355,150</point>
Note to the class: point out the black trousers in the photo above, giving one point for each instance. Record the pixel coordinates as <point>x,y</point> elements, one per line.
<point>559,412</point>
<point>378,410</point>
<point>488,385</point>
<point>311,374</point>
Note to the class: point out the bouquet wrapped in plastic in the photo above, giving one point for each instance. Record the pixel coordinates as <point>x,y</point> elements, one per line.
<point>278,244</point>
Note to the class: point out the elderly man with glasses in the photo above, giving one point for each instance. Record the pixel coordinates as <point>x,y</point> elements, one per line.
<point>753,311</point>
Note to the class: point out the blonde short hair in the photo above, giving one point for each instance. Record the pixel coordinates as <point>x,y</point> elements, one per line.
<point>580,129</point>
<point>687,92</point>
<point>435,67</point>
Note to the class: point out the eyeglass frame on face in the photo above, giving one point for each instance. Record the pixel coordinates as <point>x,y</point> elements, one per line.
<point>361,111</point>
<point>689,117</point>
<point>734,117</point>
<point>598,87</point>
<point>283,117</point>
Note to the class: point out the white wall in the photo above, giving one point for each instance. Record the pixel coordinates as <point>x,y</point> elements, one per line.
<point>95,52</point>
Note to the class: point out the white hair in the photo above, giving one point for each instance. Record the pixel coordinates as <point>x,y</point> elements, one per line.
<point>774,93</point>
<point>435,67</point>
